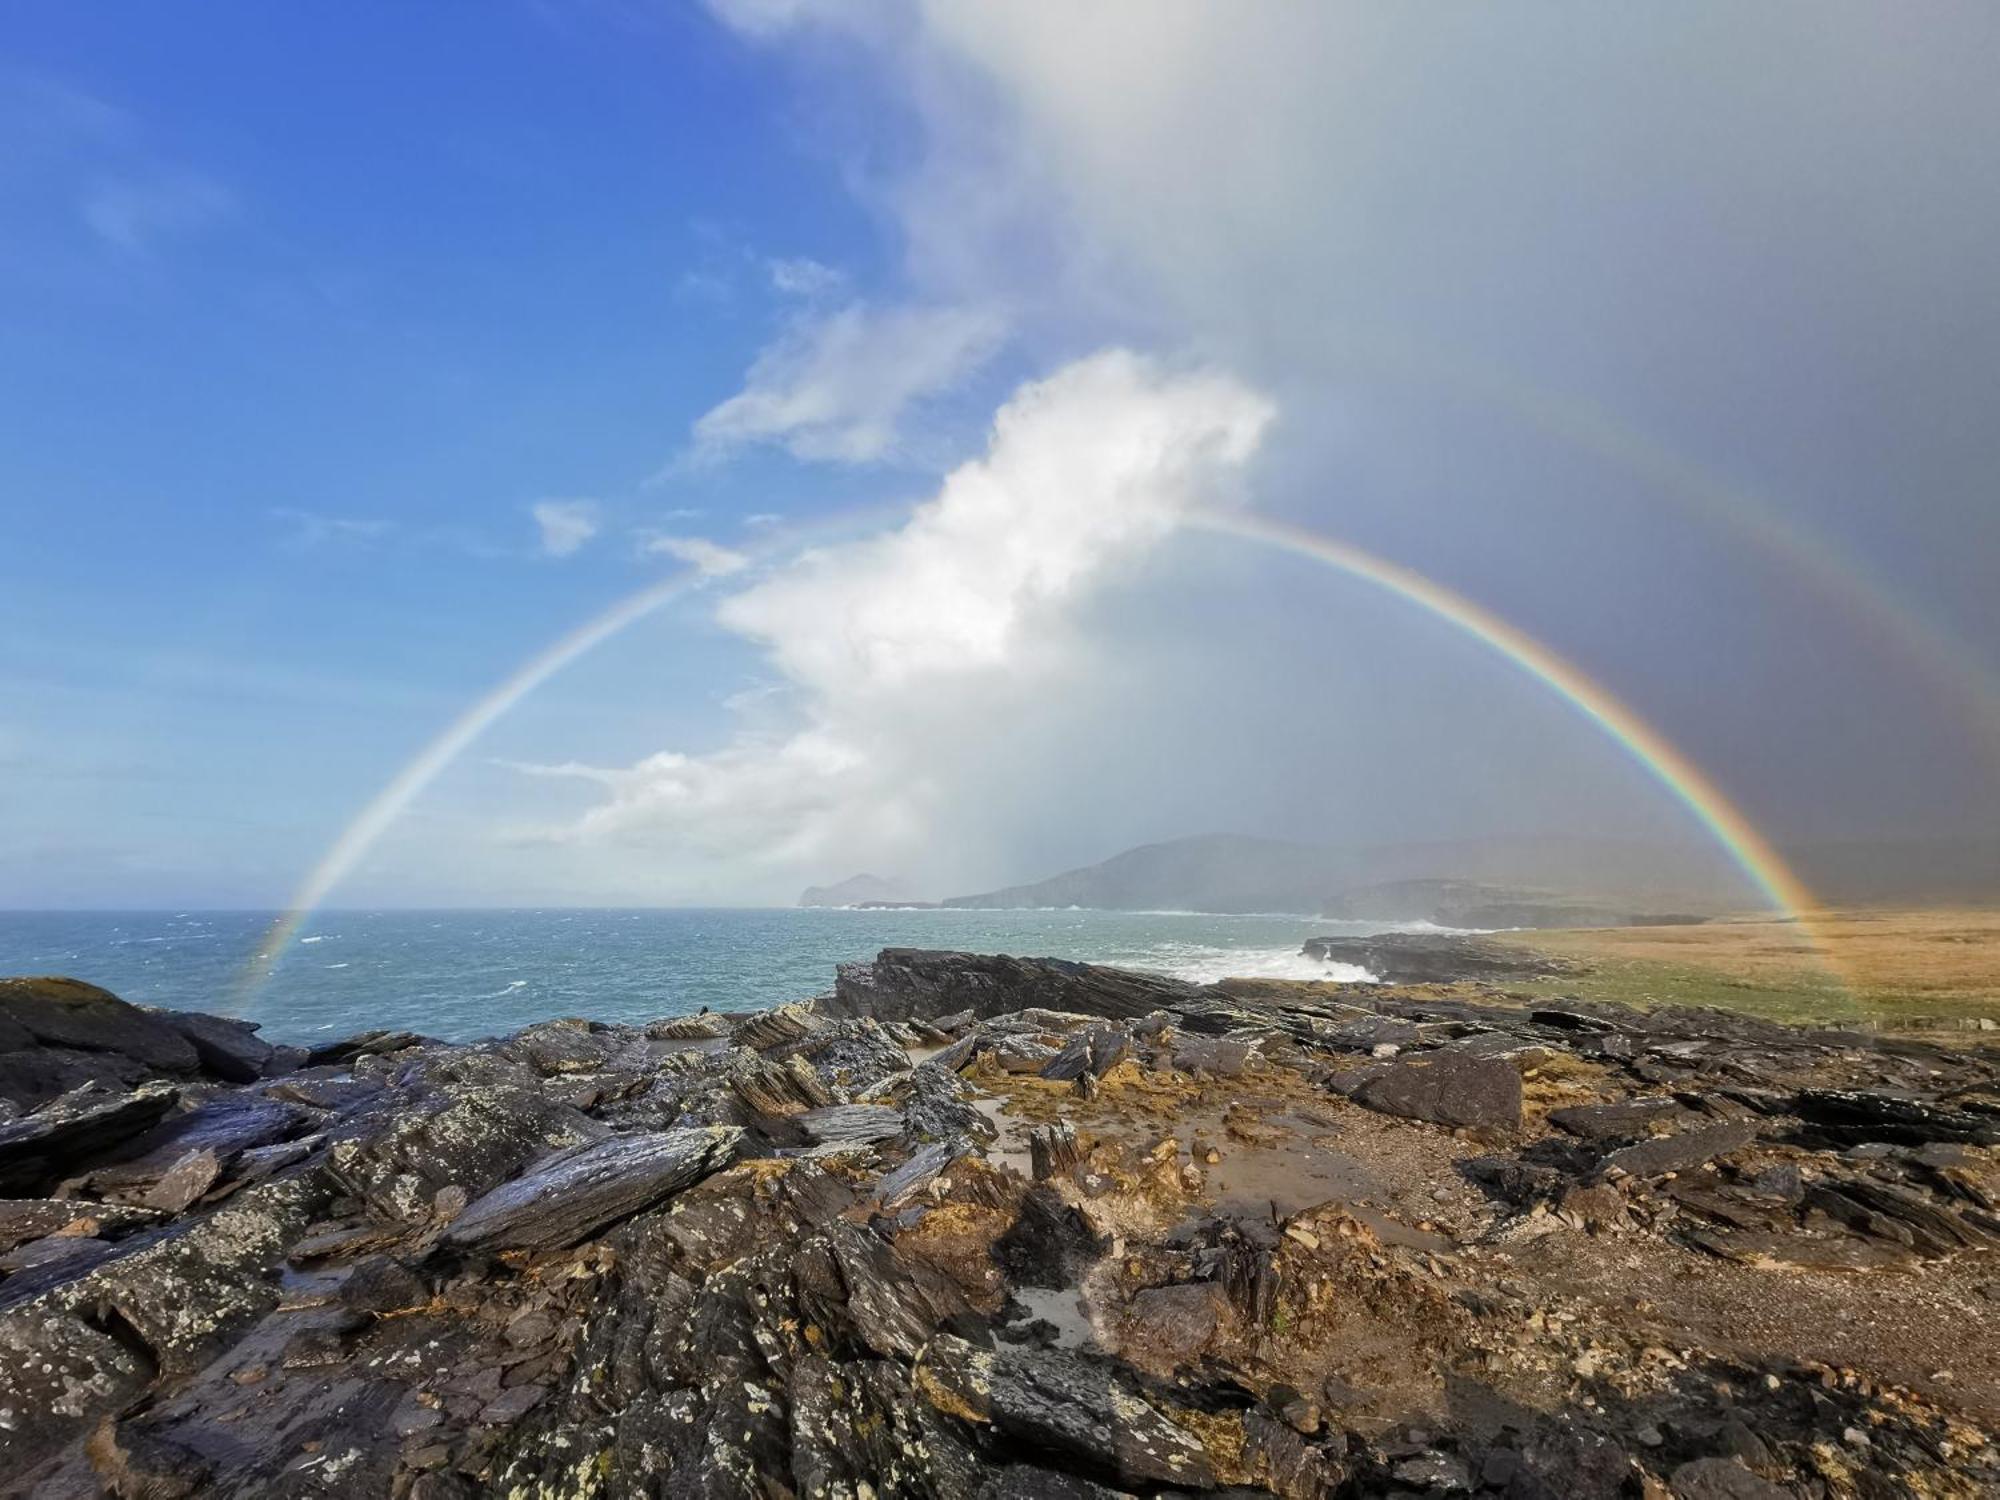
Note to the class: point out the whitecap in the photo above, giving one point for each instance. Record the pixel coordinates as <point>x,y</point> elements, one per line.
<point>1204,965</point>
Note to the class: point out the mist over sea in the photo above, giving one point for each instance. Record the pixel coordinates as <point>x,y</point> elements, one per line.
<point>464,974</point>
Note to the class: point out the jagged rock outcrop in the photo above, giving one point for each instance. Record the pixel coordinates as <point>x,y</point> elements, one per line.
<point>1027,1229</point>
<point>1432,957</point>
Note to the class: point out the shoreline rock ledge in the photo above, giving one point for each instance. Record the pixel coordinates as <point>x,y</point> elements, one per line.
<point>972,1227</point>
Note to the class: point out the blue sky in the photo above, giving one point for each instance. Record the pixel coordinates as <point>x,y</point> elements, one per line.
<point>310,310</point>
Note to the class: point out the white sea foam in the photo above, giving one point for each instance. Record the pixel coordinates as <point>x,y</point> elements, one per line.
<point>1201,964</point>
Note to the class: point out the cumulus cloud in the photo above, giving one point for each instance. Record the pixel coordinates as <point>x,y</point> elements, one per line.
<point>836,386</point>
<point>901,651</point>
<point>710,559</point>
<point>565,524</point>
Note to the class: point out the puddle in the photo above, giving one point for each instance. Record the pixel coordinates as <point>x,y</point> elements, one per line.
<point>1291,1173</point>
<point>1011,1148</point>
<point>1062,1310</point>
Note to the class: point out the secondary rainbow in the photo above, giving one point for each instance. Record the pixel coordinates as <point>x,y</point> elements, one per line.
<point>1689,785</point>
<point>1673,770</point>
<point>1964,684</point>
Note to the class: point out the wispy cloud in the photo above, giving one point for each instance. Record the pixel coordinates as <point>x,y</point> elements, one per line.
<point>838,386</point>
<point>312,529</point>
<point>802,276</point>
<point>566,524</point>
<point>710,559</point>
<point>133,213</point>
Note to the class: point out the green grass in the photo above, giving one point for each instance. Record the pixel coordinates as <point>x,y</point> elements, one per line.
<point>1647,983</point>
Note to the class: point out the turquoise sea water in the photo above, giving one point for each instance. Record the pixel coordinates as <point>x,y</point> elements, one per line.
<point>461,974</point>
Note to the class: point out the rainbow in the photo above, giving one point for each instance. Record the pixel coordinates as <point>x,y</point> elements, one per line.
<point>1673,770</point>
<point>1689,785</point>
<point>1964,682</point>
<point>389,804</point>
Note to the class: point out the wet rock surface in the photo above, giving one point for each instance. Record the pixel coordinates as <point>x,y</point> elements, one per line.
<point>992,1227</point>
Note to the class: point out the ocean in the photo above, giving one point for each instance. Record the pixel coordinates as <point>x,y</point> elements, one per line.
<point>465,974</point>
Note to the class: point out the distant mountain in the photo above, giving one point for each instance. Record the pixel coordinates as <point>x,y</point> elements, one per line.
<point>859,890</point>
<point>1218,872</point>
<point>1471,903</point>
<point>1545,880</point>
<point>1502,882</point>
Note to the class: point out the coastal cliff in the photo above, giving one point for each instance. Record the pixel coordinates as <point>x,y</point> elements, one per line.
<point>973,1226</point>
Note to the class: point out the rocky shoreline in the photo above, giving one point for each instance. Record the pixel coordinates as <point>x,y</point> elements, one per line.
<point>975,1226</point>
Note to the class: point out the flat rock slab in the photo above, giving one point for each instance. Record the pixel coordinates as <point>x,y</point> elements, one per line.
<point>79,1124</point>
<point>1621,1120</point>
<point>1679,1153</point>
<point>599,1185</point>
<point>851,1123</point>
<point>1856,1116</point>
<point>1066,1405</point>
<point>1446,1088</point>
<point>227,1049</point>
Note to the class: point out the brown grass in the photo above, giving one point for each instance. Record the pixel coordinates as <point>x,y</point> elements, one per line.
<point>1886,964</point>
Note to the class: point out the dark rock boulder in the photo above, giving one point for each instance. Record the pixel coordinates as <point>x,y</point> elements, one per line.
<point>400,1149</point>
<point>1624,1119</point>
<point>1678,1153</point>
<point>69,1013</point>
<point>43,1147</point>
<point>939,1106</point>
<point>910,984</point>
<point>580,1194</point>
<point>1064,1406</point>
<point>1431,957</point>
<point>75,1347</point>
<point>850,1123</point>
<point>1446,1089</point>
<point>227,1049</point>
<point>1855,1116</point>
<point>363,1044</point>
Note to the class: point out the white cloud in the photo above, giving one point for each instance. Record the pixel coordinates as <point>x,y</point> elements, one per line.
<point>565,524</point>
<point>133,213</point>
<point>902,653</point>
<point>837,386</point>
<point>311,529</point>
<point>802,276</point>
<point>710,559</point>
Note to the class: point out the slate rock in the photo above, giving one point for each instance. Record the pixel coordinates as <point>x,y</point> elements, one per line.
<point>909,984</point>
<point>1623,1119</point>
<point>1678,1153</point>
<point>597,1186</point>
<point>1066,1405</point>
<point>401,1148</point>
<point>364,1044</point>
<point>69,1013</point>
<point>1431,958</point>
<point>225,1048</point>
<point>914,1177</point>
<point>850,1124</point>
<point>41,1146</point>
<point>1855,1115</point>
<point>939,1106</point>
<point>1722,1479</point>
<point>1446,1089</point>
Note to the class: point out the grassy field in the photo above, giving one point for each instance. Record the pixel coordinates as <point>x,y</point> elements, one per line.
<point>1892,967</point>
